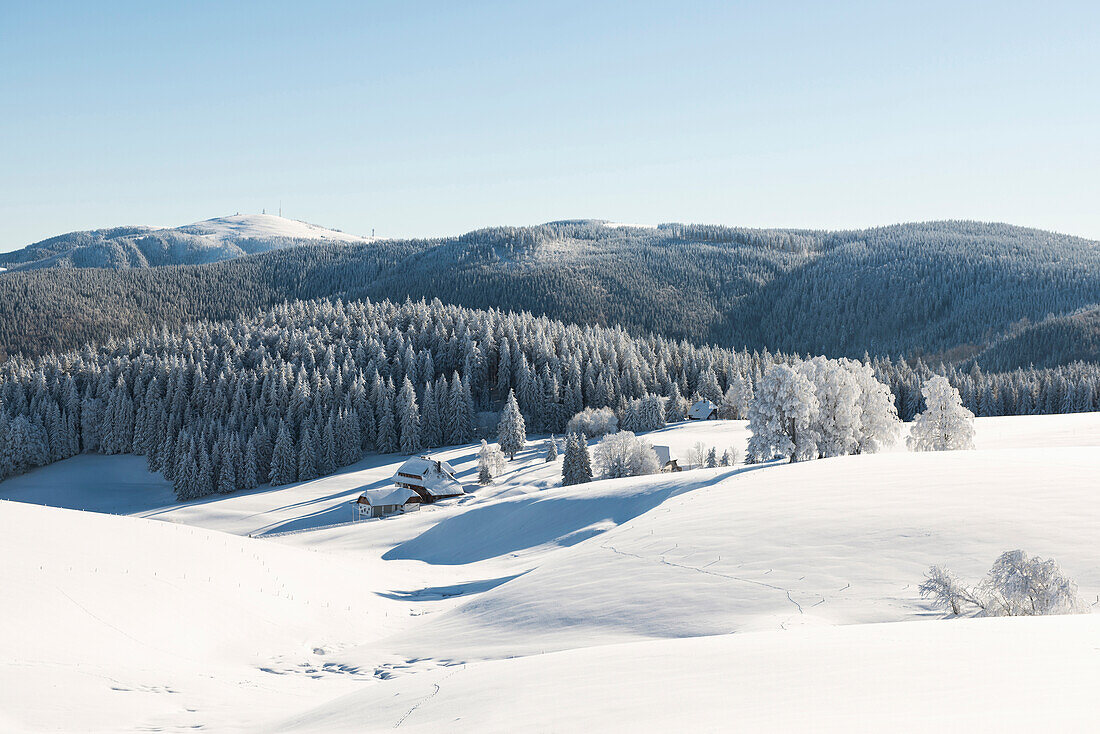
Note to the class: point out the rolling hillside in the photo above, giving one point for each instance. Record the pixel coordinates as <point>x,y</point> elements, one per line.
<point>945,290</point>
<point>714,589</point>
<point>213,240</point>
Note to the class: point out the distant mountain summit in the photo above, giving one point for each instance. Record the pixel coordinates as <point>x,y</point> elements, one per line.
<point>213,240</point>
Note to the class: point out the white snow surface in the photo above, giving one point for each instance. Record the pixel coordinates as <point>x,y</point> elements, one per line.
<point>704,600</point>
<point>266,225</point>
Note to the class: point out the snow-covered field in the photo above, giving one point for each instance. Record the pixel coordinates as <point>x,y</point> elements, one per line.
<point>742,598</point>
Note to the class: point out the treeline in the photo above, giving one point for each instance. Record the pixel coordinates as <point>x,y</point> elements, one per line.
<point>944,290</point>
<point>301,389</point>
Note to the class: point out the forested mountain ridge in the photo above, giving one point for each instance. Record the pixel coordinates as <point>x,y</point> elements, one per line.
<point>209,241</point>
<point>945,290</point>
<point>303,388</point>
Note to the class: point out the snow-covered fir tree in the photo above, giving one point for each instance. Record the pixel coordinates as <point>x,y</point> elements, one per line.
<point>576,466</point>
<point>511,431</point>
<point>552,449</point>
<point>409,418</point>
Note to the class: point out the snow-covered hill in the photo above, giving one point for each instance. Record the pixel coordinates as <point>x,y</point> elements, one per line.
<point>1005,675</point>
<point>705,600</point>
<point>213,240</point>
<point>262,226</point>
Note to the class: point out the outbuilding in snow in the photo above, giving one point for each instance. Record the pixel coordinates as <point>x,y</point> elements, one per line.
<point>387,501</point>
<point>704,410</point>
<point>666,459</point>
<point>430,478</point>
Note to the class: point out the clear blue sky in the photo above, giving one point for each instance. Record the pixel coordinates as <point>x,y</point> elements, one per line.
<point>424,118</point>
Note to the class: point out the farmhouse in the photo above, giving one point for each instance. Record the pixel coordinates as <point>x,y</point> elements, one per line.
<point>429,478</point>
<point>666,459</point>
<point>386,501</point>
<point>704,410</point>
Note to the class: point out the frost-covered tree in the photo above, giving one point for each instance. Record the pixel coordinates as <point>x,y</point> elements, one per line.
<point>712,458</point>
<point>945,425</point>
<point>593,422</point>
<point>408,413</point>
<point>1019,585</point>
<point>1016,586</point>
<point>484,464</point>
<point>250,475</point>
<point>511,432</point>
<point>576,466</point>
<point>697,455</point>
<point>676,407</point>
<point>431,424</point>
<point>946,592</point>
<point>460,413</point>
<point>307,456</point>
<point>836,422</point>
<point>284,459</point>
<point>227,478</point>
<point>552,450</point>
<point>736,400</point>
<point>878,417</point>
<point>623,454</point>
<point>782,415</point>
<point>386,440</point>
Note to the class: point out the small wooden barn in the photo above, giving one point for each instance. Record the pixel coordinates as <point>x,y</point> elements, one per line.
<point>666,459</point>
<point>429,478</point>
<point>704,410</point>
<point>387,501</point>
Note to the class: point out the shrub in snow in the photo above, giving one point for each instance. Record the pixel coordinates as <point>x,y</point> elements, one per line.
<point>576,466</point>
<point>1016,586</point>
<point>511,432</point>
<point>947,592</point>
<point>697,454</point>
<point>1021,586</point>
<point>728,457</point>
<point>623,454</point>
<point>593,422</point>
<point>945,425</point>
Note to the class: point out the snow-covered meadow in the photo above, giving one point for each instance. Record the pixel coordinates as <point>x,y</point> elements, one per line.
<point>710,598</point>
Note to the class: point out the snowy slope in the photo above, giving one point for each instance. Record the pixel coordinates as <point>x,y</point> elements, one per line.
<point>1004,675</point>
<point>838,541</point>
<point>796,560</point>
<point>266,226</point>
<point>116,623</point>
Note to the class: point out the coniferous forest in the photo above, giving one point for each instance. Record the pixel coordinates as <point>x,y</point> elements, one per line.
<point>958,292</point>
<point>303,388</point>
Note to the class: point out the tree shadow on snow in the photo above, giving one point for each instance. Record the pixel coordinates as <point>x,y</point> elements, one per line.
<point>520,523</point>
<point>434,593</point>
